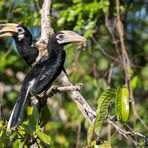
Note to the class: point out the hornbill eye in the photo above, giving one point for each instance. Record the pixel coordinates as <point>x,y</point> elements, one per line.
<point>20,30</point>
<point>60,36</point>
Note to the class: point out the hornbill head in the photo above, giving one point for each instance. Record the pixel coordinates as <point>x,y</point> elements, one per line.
<point>66,37</point>
<point>18,32</point>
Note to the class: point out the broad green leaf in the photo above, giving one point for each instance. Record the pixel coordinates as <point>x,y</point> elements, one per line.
<point>103,102</point>
<point>122,104</point>
<point>45,138</point>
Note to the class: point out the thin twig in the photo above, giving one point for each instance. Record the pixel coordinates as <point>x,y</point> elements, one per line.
<point>78,136</point>
<point>104,52</point>
<point>55,89</point>
<point>127,134</point>
<point>115,42</point>
<point>110,73</point>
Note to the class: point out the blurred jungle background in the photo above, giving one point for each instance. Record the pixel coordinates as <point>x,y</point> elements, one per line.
<point>98,64</point>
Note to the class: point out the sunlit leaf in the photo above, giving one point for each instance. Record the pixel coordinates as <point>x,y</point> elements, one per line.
<point>90,134</point>
<point>33,120</point>
<point>103,103</point>
<point>29,110</point>
<point>45,138</point>
<point>122,104</point>
<point>135,82</point>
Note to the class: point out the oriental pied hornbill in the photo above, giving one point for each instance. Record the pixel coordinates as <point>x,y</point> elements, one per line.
<point>23,40</point>
<point>44,72</point>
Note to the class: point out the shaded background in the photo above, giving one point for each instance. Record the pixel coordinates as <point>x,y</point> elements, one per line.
<point>89,65</point>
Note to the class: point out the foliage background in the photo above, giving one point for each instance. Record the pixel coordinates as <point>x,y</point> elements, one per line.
<point>88,65</point>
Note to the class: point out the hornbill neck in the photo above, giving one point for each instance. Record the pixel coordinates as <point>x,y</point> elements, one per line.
<point>23,45</point>
<point>24,48</point>
<point>53,46</point>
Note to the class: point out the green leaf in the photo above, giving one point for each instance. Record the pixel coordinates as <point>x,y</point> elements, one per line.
<point>135,82</point>
<point>76,1</point>
<point>122,104</point>
<point>45,138</point>
<point>61,21</point>
<point>45,115</point>
<point>29,110</point>
<point>34,116</point>
<point>4,139</point>
<point>105,144</point>
<point>90,134</point>
<point>17,144</point>
<point>106,4</point>
<point>1,124</point>
<point>103,103</point>
<point>33,119</point>
<point>93,144</point>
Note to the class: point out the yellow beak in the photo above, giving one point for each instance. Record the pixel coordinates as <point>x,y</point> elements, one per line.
<point>70,37</point>
<point>7,29</point>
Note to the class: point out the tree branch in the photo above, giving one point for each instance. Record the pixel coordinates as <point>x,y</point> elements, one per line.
<point>46,29</point>
<point>129,135</point>
<point>86,110</point>
<point>55,89</point>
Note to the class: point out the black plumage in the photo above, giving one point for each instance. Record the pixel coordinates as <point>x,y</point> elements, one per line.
<point>39,79</point>
<point>24,46</point>
<point>23,40</point>
<point>45,71</point>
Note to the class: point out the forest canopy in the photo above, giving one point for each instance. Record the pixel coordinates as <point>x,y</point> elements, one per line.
<point>112,61</point>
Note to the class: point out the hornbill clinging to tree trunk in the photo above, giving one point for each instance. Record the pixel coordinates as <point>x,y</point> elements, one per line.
<point>44,72</point>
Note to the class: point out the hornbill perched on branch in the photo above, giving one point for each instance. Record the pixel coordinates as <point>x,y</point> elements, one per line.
<point>23,40</point>
<point>45,71</point>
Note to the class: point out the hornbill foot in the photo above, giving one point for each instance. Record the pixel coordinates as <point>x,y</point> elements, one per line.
<point>34,100</point>
<point>112,118</point>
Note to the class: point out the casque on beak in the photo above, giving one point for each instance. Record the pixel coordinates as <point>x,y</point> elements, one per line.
<point>70,37</point>
<point>7,29</point>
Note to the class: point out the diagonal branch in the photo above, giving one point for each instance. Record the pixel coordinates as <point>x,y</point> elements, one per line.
<point>86,110</point>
